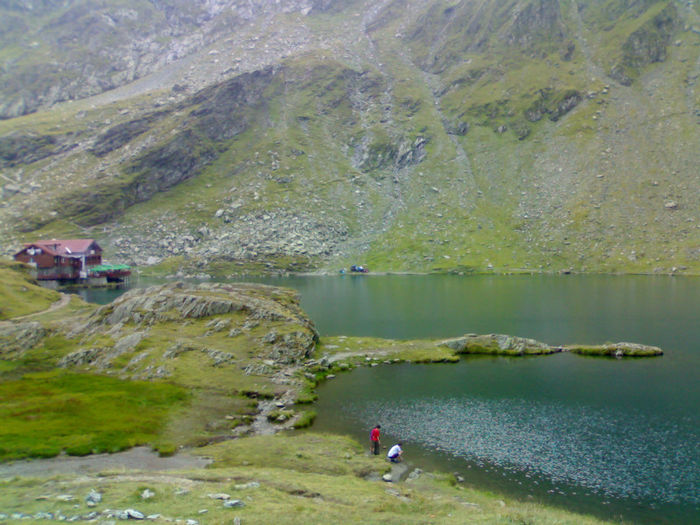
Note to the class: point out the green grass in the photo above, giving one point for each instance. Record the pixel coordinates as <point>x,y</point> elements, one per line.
<point>615,350</point>
<point>44,414</point>
<point>19,293</point>
<point>306,419</point>
<point>304,478</point>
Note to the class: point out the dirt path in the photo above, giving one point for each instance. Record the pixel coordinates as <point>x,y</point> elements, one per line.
<point>63,301</point>
<point>137,459</point>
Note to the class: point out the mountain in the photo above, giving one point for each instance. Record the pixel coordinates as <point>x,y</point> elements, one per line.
<point>451,136</point>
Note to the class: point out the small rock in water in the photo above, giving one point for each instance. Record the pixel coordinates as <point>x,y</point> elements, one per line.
<point>415,473</point>
<point>233,503</point>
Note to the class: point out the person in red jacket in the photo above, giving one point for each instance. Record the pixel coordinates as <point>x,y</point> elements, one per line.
<point>374,441</point>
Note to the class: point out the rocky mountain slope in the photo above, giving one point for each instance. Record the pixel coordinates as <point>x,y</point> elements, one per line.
<point>412,136</point>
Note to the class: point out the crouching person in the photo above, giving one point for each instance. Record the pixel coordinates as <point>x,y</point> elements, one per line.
<point>395,453</point>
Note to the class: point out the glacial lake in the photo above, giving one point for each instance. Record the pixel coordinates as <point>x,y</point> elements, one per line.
<point>613,438</point>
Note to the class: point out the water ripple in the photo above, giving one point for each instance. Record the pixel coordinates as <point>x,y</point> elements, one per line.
<point>612,453</point>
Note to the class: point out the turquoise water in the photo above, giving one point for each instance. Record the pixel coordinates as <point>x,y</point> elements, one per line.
<point>615,438</point>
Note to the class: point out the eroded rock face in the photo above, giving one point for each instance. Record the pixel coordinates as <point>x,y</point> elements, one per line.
<point>16,338</point>
<point>646,45</point>
<point>178,301</point>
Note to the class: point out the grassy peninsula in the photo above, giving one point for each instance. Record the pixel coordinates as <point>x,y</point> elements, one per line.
<point>223,371</point>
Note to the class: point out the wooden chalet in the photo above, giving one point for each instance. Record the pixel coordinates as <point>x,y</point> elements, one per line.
<point>73,260</point>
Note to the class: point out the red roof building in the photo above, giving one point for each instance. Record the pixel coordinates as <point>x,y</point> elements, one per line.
<point>61,259</point>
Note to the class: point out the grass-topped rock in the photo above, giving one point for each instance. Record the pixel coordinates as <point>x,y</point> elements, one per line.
<point>616,350</point>
<point>498,344</point>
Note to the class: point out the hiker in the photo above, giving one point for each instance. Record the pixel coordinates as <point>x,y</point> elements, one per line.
<point>395,453</point>
<point>374,440</point>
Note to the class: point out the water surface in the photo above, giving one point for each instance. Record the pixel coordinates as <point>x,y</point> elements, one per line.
<point>603,436</point>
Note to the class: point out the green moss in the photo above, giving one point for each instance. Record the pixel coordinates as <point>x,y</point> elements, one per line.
<point>306,419</point>
<point>279,416</point>
<point>306,395</point>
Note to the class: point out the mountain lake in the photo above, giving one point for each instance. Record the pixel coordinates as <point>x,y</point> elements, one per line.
<point>616,438</point>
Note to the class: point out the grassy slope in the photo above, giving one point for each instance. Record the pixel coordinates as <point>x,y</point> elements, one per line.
<point>20,294</point>
<point>306,478</point>
<point>46,413</point>
<point>587,192</point>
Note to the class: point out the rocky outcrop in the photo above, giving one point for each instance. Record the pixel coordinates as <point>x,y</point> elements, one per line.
<point>16,338</point>
<point>177,301</point>
<point>553,104</point>
<point>498,344</point>
<point>646,45</point>
<point>289,348</point>
<point>121,134</point>
<point>18,148</point>
<point>255,328</point>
